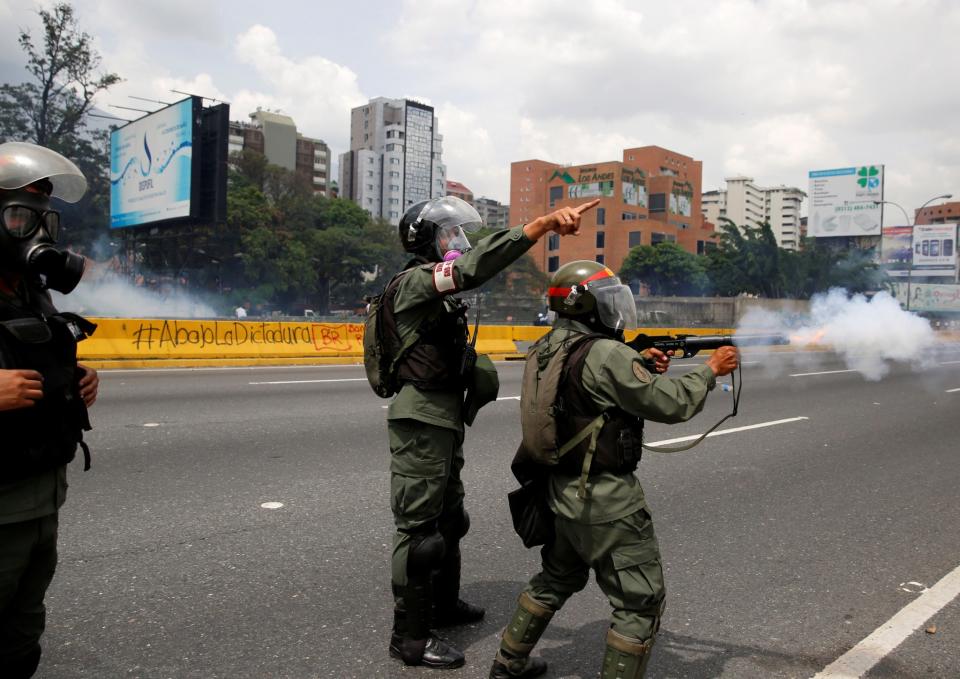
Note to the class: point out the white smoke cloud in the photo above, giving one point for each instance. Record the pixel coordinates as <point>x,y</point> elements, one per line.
<point>117,298</point>
<point>867,333</point>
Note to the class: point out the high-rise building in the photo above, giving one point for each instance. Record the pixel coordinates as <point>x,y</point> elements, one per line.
<point>651,196</point>
<point>748,205</point>
<point>275,135</point>
<point>945,213</point>
<point>395,157</point>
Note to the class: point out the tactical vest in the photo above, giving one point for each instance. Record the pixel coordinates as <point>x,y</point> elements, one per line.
<point>619,442</point>
<point>432,360</point>
<point>44,436</point>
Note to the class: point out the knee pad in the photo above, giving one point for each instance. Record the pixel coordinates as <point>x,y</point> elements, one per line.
<point>455,526</point>
<point>425,554</point>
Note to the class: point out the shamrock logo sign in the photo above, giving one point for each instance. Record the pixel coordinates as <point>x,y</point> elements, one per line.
<point>868,177</point>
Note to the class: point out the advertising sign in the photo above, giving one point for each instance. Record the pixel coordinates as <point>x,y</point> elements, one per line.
<point>927,296</point>
<point>151,167</point>
<point>842,201</point>
<point>634,183</point>
<point>591,190</point>
<point>681,199</point>
<point>935,249</point>
<point>897,249</point>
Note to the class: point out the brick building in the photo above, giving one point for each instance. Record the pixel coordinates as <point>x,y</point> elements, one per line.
<point>651,196</point>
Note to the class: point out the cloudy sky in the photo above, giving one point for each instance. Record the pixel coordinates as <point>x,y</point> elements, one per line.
<point>767,89</point>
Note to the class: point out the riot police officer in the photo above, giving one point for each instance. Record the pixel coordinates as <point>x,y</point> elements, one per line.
<point>600,519</point>
<point>44,393</point>
<point>425,421</point>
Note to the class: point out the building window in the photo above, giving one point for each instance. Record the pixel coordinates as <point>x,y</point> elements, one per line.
<point>394,161</point>
<point>700,247</point>
<point>556,193</point>
<point>369,160</point>
<point>599,259</point>
<point>553,263</point>
<point>600,240</point>
<point>658,202</point>
<point>394,214</point>
<point>601,216</point>
<point>657,238</point>
<point>553,242</point>
<point>633,239</point>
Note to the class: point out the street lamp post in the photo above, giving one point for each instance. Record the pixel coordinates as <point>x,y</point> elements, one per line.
<point>911,223</point>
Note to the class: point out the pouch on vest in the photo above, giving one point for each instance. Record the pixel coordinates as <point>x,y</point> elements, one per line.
<point>482,387</point>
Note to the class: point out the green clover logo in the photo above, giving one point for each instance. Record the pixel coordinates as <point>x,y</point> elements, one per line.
<point>868,177</point>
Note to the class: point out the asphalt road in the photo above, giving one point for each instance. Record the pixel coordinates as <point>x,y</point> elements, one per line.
<point>784,545</point>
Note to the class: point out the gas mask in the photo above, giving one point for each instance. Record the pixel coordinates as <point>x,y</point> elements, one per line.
<point>29,176</point>
<point>28,237</point>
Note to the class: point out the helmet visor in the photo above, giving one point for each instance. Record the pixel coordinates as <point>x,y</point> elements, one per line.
<point>452,211</point>
<point>22,164</point>
<point>451,238</point>
<point>616,307</point>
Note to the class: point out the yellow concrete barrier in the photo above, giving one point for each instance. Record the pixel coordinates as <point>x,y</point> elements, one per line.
<point>141,342</point>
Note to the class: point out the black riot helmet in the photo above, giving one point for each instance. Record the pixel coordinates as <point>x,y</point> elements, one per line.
<point>436,229</point>
<point>29,176</point>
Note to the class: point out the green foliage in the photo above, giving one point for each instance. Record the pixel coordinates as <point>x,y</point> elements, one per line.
<point>51,110</point>
<point>749,261</point>
<point>299,250</point>
<point>666,269</point>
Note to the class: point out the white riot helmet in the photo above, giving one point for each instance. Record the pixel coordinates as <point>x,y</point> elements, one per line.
<point>22,163</point>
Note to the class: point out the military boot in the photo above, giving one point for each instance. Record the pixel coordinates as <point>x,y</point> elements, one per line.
<point>412,640</point>
<point>521,635</point>
<point>626,657</point>
<point>449,609</point>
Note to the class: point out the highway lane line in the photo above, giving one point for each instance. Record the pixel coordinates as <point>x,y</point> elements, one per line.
<point>734,430</point>
<point>950,362</point>
<point>824,372</point>
<point>950,391</point>
<point>343,379</point>
<point>858,660</point>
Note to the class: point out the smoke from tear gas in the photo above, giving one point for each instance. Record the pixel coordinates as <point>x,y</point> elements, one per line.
<point>866,333</point>
<point>116,297</point>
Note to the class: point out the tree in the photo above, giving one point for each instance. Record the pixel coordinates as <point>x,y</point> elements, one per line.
<point>665,268</point>
<point>51,110</point>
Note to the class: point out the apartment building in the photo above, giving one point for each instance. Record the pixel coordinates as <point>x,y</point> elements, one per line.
<point>395,157</point>
<point>495,215</point>
<point>945,213</point>
<point>652,195</point>
<point>275,135</point>
<point>748,204</point>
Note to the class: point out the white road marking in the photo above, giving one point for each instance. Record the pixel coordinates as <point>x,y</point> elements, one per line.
<point>151,424</point>
<point>949,362</point>
<point>344,379</point>
<point>272,505</point>
<point>508,398</point>
<point>825,372</point>
<point>772,423</point>
<point>951,391</point>
<point>858,660</point>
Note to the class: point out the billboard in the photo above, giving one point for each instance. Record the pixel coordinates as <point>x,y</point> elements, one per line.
<point>842,201</point>
<point>897,249</point>
<point>634,187</point>
<point>928,296</point>
<point>152,166</point>
<point>591,190</point>
<point>935,249</point>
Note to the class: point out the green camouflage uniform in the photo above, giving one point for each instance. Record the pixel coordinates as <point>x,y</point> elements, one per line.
<point>611,532</point>
<point>426,427</point>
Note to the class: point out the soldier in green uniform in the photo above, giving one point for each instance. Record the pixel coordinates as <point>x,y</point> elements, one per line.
<point>426,326</point>
<point>44,393</point>
<point>600,517</point>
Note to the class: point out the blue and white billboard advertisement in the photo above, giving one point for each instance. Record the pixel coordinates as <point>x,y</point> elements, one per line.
<point>151,167</point>
<point>844,201</point>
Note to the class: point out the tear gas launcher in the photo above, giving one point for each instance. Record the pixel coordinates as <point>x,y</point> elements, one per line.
<point>687,346</point>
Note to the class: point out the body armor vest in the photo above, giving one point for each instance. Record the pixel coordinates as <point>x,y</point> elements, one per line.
<point>44,436</point>
<point>433,360</point>
<point>619,443</point>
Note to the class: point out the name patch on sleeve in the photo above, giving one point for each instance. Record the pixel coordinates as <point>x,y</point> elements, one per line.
<point>443,277</point>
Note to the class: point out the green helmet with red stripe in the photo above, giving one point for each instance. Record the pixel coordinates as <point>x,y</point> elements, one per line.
<point>591,292</point>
